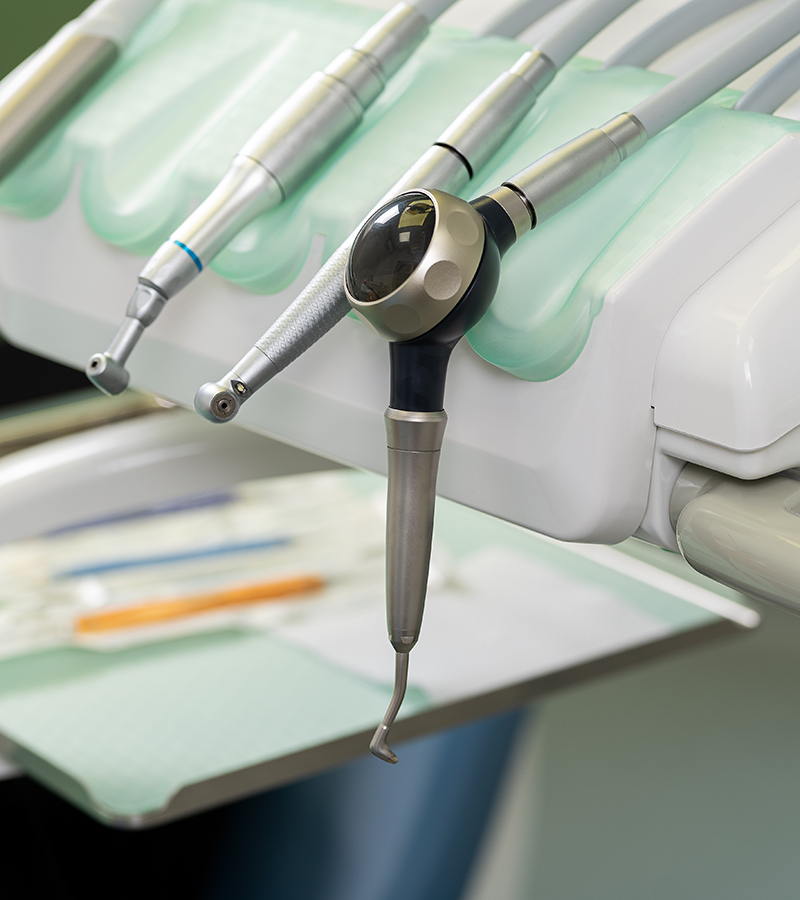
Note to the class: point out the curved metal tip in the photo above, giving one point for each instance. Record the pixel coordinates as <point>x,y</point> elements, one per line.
<point>378,745</point>
<point>107,374</point>
<point>217,401</point>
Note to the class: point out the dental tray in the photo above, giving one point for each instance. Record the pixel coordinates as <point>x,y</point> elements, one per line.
<point>165,722</point>
<point>572,428</point>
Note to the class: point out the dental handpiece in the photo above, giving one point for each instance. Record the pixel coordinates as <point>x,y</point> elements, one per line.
<point>466,145</point>
<point>424,269</point>
<point>42,89</point>
<point>293,142</point>
<point>472,139</point>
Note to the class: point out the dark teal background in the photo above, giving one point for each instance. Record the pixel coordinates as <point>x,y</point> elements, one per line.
<point>27,24</point>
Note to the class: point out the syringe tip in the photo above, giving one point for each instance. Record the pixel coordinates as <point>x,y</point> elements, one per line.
<point>107,374</point>
<point>217,401</point>
<point>378,745</point>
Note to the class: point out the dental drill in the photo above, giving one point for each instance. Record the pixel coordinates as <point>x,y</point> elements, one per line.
<point>464,147</point>
<point>424,269</point>
<point>293,142</point>
<point>42,89</point>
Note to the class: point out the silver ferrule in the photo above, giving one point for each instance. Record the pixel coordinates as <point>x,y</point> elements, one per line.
<point>245,191</point>
<point>300,135</point>
<point>34,100</point>
<point>570,171</point>
<point>627,133</point>
<point>516,208</point>
<point>144,306</point>
<point>393,38</point>
<point>485,125</point>
<point>414,440</point>
<point>219,401</point>
<point>360,74</point>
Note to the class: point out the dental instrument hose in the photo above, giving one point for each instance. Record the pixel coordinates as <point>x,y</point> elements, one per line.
<point>42,89</point>
<point>293,142</point>
<point>459,152</point>
<point>521,16</point>
<point>774,88</point>
<point>424,269</point>
<point>671,29</point>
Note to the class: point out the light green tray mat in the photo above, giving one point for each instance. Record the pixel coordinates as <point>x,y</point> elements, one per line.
<point>122,734</point>
<point>160,129</point>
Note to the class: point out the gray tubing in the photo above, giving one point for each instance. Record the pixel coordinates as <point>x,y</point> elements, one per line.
<point>515,20</point>
<point>564,42</point>
<point>774,88</point>
<point>671,29</point>
<point>432,9</point>
<point>684,93</point>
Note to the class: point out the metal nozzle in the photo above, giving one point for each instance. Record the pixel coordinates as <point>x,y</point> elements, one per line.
<point>219,401</point>
<point>107,370</point>
<point>378,744</point>
<point>107,374</point>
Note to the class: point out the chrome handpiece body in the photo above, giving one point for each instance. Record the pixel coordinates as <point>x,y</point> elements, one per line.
<point>422,271</point>
<point>460,151</point>
<point>39,92</point>
<point>293,142</point>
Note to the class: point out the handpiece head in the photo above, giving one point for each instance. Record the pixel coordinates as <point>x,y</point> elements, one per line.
<point>413,261</point>
<point>105,373</point>
<point>217,401</point>
<point>422,271</point>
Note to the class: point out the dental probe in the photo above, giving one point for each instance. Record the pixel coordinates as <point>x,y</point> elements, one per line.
<point>423,270</point>
<point>468,144</point>
<point>41,90</point>
<point>671,29</point>
<point>773,88</point>
<point>293,142</point>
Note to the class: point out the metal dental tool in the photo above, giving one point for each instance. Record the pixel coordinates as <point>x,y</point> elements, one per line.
<point>424,269</point>
<point>294,141</point>
<point>467,145</point>
<point>42,89</point>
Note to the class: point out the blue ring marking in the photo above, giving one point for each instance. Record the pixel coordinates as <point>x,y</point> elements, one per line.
<point>195,258</point>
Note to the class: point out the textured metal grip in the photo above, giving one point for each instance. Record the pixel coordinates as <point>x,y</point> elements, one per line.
<point>316,310</point>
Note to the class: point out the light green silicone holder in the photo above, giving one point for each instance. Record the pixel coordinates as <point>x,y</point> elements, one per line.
<point>157,133</point>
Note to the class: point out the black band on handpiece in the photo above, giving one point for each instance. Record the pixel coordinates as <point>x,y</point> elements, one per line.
<point>497,221</point>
